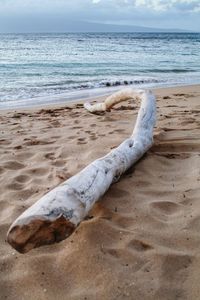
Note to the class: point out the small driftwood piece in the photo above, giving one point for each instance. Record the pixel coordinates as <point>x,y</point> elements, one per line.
<point>112,100</point>
<point>56,215</point>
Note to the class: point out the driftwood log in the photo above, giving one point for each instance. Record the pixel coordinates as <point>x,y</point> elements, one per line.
<point>56,215</point>
<point>114,99</point>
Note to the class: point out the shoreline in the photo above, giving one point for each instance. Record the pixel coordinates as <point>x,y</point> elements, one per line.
<point>79,96</point>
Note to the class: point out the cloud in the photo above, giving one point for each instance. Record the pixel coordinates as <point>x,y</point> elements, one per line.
<point>98,6</point>
<point>153,13</point>
<point>164,5</point>
<point>157,5</point>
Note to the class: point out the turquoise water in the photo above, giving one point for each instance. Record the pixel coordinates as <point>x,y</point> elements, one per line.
<point>33,66</point>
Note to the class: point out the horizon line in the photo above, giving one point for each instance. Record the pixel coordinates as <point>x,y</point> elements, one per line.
<point>61,32</point>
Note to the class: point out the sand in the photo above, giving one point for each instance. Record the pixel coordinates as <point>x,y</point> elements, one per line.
<point>142,240</point>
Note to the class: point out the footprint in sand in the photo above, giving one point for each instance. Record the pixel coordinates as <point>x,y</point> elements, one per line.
<point>37,171</point>
<point>93,137</point>
<point>5,142</point>
<point>165,209</point>
<point>25,193</point>
<point>175,155</point>
<point>102,135</point>
<point>75,115</point>
<point>16,186</point>
<point>59,163</point>
<point>81,141</point>
<point>56,137</point>
<point>166,97</point>
<point>24,155</point>
<point>56,123</point>
<point>179,95</point>
<point>188,121</point>
<point>172,106</point>
<point>22,178</point>
<point>72,137</point>
<point>174,263</point>
<point>123,222</point>
<point>139,245</point>
<point>76,127</point>
<point>34,142</point>
<point>119,130</point>
<point>174,273</point>
<point>13,165</point>
<point>49,155</point>
<point>2,170</point>
<point>183,95</point>
<point>18,147</point>
<point>125,257</point>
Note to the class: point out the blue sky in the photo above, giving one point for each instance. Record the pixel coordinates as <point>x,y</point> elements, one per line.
<point>65,15</point>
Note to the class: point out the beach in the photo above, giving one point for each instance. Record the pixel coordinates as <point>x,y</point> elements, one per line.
<point>142,239</point>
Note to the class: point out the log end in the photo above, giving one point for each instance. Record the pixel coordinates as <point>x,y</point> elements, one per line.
<point>39,232</point>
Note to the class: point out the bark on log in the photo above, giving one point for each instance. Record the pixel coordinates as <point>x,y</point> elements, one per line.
<point>56,215</point>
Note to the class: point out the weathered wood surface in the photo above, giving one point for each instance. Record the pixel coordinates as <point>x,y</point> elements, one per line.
<point>112,100</point>
<point>56,215</point>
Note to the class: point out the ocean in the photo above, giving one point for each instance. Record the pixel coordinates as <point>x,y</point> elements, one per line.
<point>47,68</point>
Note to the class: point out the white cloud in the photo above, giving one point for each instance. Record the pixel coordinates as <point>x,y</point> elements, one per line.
<point>180,5</point>
<point>153,13</point>
<point>147,5</point>
<point>157,5</point>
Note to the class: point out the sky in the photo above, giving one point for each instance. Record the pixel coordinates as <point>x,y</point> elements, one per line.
<point>75,15</point>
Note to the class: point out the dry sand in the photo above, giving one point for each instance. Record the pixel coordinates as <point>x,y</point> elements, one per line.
<point>142,240</point>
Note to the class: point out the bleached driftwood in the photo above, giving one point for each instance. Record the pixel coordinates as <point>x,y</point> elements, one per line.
<point>56,215</point>
<point>112,100</point>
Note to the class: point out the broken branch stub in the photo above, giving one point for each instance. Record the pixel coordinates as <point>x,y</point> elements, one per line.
<point>56,215</point>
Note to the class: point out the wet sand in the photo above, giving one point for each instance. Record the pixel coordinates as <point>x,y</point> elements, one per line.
<point>142,240</point>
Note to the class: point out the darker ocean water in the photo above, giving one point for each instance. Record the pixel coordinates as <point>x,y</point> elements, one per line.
<point>43,68</point>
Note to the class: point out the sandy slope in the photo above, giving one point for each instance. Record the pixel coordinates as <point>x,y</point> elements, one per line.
<point>142,241</point>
